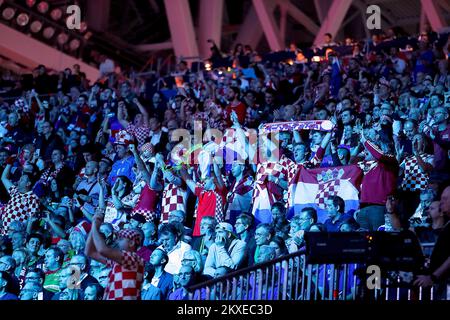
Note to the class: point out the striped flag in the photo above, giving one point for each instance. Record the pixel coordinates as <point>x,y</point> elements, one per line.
<point>310,188</point>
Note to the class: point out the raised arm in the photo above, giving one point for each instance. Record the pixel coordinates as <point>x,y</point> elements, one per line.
<point>93,94</point>
<point>121,114</point>
<point>297,136</point>
<point>5,177</point>
<point>140,164</point>
<point>90,250</point>
<point>36,96</point>
<point>141,110</point>
<point>57,229</point>
<point>100,246</point>
<point>326,140</point>
<point>190,183</point>
<point>424,166</point>
<point>154,181</point>
<point>101,196</point>
<point>218,174</point>
<point>377,153</point>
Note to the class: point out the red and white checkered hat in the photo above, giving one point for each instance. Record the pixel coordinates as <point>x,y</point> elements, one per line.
<point>123,137</point>
<point>147,147</point>
<point>83,227</point>
<point>144,205</point>
<point>130,234</point>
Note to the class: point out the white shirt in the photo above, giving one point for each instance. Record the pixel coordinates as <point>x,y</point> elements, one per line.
<point>156,137</point>
<point>175,257</point>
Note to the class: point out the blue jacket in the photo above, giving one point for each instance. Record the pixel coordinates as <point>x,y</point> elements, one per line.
<point>165,284</point>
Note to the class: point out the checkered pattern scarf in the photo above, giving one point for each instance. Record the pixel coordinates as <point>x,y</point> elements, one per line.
<point>50,174</point>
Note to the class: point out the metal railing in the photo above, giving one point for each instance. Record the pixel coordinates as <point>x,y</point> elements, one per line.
<point>291,278</point>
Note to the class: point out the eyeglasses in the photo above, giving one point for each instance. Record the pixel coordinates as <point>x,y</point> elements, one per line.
<point>184,274</point>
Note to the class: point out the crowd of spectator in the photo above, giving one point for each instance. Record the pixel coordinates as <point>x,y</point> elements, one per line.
<point>98,203</point>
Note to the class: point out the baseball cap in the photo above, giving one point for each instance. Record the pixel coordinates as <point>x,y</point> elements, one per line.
<point>147,147</point>
<point>130,234</point>
<point>225,226</point>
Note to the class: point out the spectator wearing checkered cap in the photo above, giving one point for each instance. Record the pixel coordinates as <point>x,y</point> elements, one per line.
<point>211,197</point>
<point>139,128</point>
<point>123,166</point>
<point>227,250</point>
<point>127,273</point>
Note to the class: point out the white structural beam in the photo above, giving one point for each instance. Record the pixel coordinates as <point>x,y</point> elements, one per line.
<point>268,23</point>
<point>181,28</point>
<point>210,25</point>
<point>30,53</point>
<point>301,17</point>
<point>437,22</point>
<point>154,46</point>
<point>333,21</point>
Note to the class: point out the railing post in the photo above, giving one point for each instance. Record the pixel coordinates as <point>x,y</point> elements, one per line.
<point>303,277</point>
<point>233,289</point>
<point>291,276</point>
<point>285,269</point>
<point>325,278</point>
<point>308,286</point>
<point>266,283</point>
<point>259,277</point>
<point>331,282</point>
<point>316,282</point>
<point>297,276</point>
<point>354,283</point>
<point>344,289</point>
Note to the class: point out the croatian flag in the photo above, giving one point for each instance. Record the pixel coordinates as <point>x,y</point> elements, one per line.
<point>310,188</point>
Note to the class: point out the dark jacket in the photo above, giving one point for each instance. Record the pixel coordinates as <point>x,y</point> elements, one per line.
<point>87,282</point>
<point>196,243</point>
<point>165,284</point>
<point>46,146</point>
<point>250,249</point>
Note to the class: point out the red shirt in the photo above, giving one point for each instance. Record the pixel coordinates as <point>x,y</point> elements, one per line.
<point>241,111</point>
<point>207,202</point>
<point>380,176</point>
